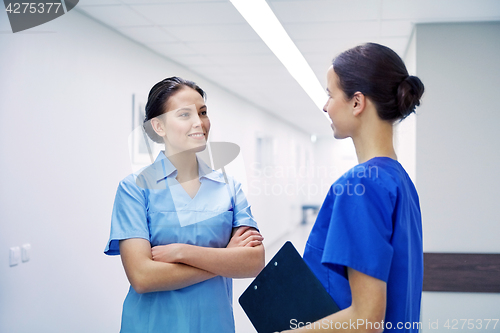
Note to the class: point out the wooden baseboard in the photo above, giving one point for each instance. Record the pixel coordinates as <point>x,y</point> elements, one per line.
<point>462,272</point>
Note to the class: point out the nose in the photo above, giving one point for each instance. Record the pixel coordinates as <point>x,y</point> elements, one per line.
<point>197,121</point>
<point>324,107</point>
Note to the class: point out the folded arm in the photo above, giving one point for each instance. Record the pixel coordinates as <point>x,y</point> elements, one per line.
<point>146,275</point>
<point>243,257</point>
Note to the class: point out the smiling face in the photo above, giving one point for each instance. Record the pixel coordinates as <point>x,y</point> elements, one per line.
<point>338,107</point>
<point>185,124</point>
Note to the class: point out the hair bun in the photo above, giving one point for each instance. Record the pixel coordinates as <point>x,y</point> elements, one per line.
<point>409,93</point>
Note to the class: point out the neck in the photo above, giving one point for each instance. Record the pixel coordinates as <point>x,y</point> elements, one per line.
<point>375,141</point>
<point>186,165</point>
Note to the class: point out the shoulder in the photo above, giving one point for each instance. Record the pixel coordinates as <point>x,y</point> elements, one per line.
<point>129,181</point>
<point>128,187</point>
<point>142,179</point>
<point>146,178</point>
<point>376,175</point>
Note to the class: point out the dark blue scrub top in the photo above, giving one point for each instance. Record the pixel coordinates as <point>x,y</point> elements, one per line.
<point>370,221</point>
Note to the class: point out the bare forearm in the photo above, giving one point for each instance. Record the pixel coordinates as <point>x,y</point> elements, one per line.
<point>347,320</point>
<point>146,275</point>
<point>366,313</point>
<point>159,276</point>
<point>236,262</point>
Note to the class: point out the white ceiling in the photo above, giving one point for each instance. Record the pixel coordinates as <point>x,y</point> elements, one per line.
<point>211,38</point>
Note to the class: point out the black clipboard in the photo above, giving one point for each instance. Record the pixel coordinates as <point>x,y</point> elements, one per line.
<point>285,293</point>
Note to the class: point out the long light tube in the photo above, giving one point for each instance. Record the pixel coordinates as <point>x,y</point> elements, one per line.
<point>262,19</point>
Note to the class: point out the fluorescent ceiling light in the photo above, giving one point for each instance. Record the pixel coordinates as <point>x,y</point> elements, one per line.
<point>262,19</point>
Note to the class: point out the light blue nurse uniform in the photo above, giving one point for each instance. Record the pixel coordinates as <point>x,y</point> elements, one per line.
<point>153,205</point>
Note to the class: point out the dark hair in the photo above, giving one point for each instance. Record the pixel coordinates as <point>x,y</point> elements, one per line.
<point>158,99</point>
<point>380,74</point>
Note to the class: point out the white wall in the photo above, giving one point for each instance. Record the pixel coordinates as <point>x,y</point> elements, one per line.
<point>405,132</point>
<point>65,115</point>
<point>332,159</point>
<point>457,154</point>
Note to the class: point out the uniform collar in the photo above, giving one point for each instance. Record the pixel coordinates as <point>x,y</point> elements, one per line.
<point>164,169</point>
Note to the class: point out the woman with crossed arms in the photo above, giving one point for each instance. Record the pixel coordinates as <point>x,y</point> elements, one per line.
<point>181,230</point>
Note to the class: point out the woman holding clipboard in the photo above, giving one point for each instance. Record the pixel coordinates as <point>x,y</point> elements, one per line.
<point>366,244</point>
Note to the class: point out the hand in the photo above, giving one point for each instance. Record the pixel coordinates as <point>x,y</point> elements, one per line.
<point>245,237</point>
<point>170,253</point>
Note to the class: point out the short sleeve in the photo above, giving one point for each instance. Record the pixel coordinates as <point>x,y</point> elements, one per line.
<point>360,230</point>
<point>129,217</point>
<point>242,214</point>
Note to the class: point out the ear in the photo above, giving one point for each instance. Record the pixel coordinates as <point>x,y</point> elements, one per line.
<point>358,103</point>
<point>158,126</point>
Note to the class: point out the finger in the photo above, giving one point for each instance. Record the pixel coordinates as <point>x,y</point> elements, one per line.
<point>240,231</point>
<point>252,229</point>
<point>252,238</point>
<point>254,243</point>
<point>256,233</point>
<point>250,233</point>
<point>256,236</point>
<point>156,252</point>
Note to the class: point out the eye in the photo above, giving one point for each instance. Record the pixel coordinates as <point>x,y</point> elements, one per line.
<point>185,114</point>
<point>203,113</point>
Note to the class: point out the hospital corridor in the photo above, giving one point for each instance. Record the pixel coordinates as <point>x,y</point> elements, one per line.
<point>138,136</point>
